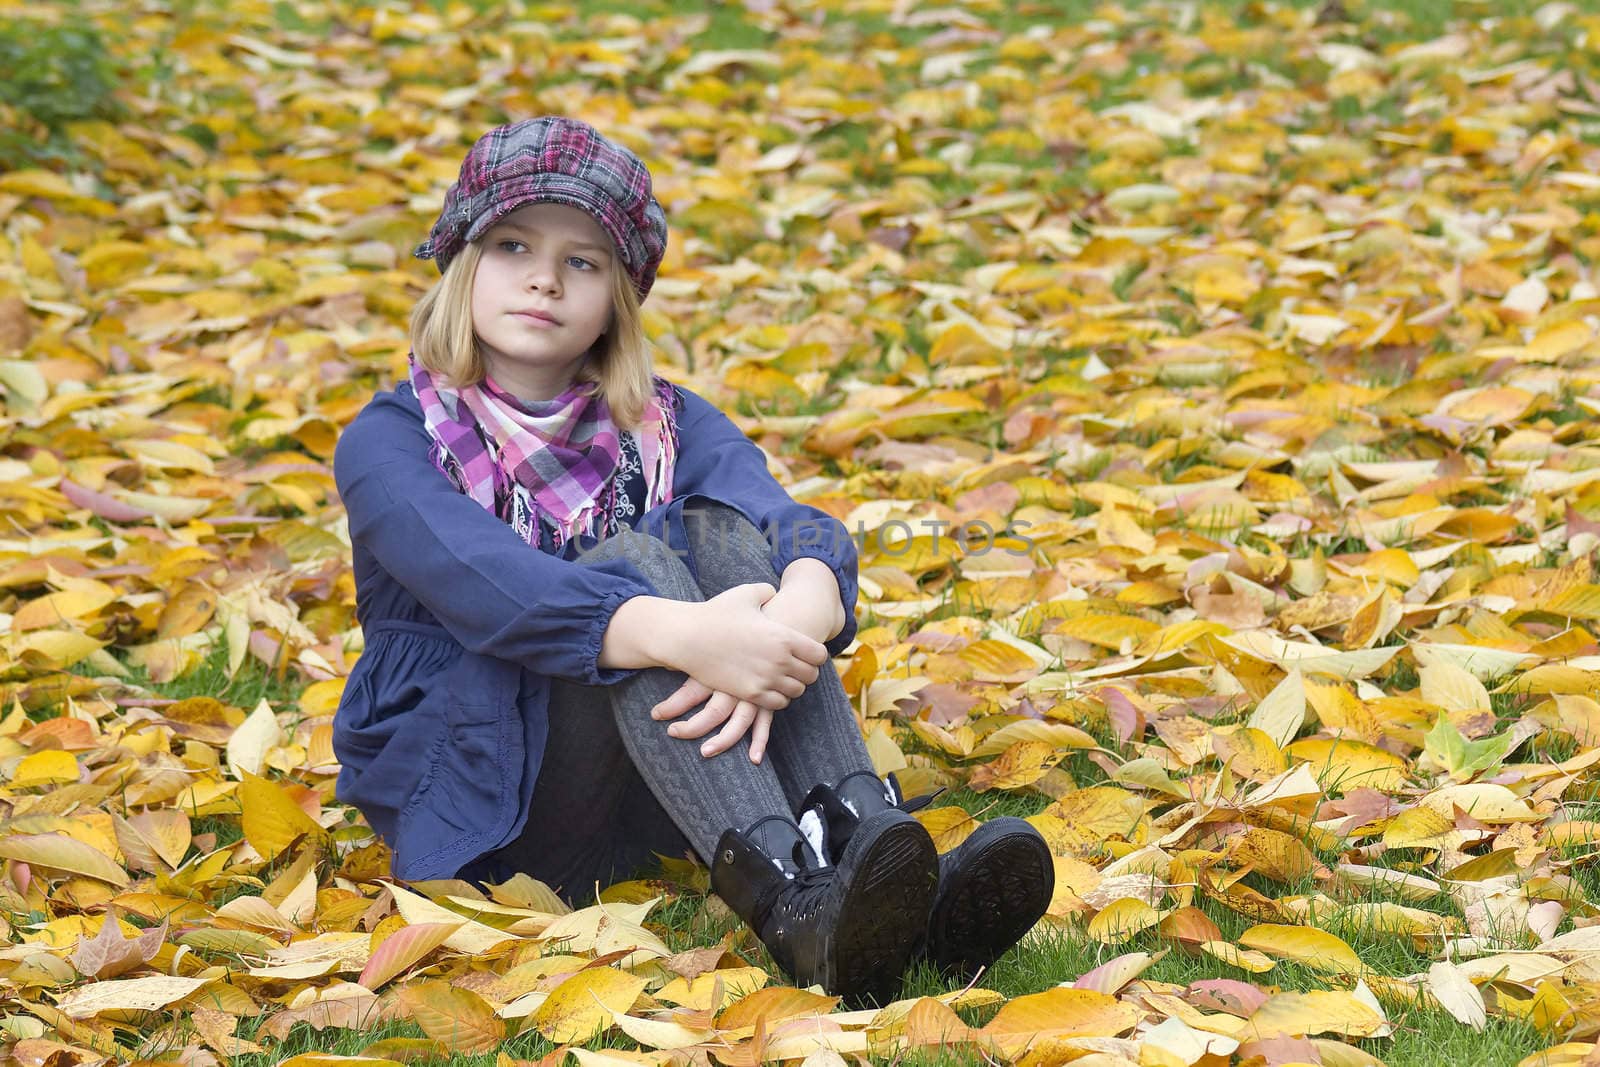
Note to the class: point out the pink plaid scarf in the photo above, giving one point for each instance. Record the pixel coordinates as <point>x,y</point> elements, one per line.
<point>555,458</point>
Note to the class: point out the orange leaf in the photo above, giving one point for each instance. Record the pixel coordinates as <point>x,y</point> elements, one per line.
<point>402,949</point>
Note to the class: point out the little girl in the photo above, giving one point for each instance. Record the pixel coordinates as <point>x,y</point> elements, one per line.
<point>559,555</point>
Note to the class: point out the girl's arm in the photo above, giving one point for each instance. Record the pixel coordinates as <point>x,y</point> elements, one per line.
<point>494,594</point>
<point>812,551</point>
<point>718,461</point>
<point>808,600</point>
<point>726,644</point>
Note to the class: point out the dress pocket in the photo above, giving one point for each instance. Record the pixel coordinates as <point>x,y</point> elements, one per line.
<point>468,793</point>
<point>472,768</point>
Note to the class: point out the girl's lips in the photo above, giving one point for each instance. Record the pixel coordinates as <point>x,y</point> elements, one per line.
<point>537,318</point>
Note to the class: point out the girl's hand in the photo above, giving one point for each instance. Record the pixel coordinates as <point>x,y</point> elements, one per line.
<point>801,610</point>
<point>736,717</point>
<point>731,647</point>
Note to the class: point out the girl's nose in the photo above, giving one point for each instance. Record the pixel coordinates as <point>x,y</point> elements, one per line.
<point>543,278</point>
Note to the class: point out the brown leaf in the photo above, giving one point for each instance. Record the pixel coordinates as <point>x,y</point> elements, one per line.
<point>109,954</point>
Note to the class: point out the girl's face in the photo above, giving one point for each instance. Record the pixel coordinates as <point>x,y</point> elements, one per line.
<point>541,297</point>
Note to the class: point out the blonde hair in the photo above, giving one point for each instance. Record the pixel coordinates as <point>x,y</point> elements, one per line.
<point>443,341</point>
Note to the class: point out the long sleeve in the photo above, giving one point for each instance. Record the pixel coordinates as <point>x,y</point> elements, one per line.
<point>718,461</point>
<point>491,591</point>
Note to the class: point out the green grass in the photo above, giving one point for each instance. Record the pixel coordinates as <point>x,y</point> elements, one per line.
<point>253,683</point>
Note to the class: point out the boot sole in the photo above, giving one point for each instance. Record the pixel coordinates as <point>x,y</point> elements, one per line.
<point>892,874</point>
<point>993,899</point>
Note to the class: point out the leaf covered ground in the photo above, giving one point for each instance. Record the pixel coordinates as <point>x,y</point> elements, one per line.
<point>1210,388</point>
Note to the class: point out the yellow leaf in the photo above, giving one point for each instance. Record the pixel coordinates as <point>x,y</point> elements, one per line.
<point>1306,945</point>
<point>772,1005</point>
<point>998,661</point>
<point>1249,753</point>
<point>1343,766</point>
<point>1089,817</point>
<point>961,344</point>
<point>171,508</point>
<point>1390,881</point>
<point>701,994</point>
<point>1484,801</point>
<point>322,698</point>
<point>1317,1012</point>
<point>105,263</point>
<point>1018,766</point>
<point>1121,919</point>
<point>1419,827</point>
<point>1116,527</point>
<point>62,853</point>
<point>471,936</point>
<point>1057,1013</point>
<point>1341,712</point>
<point>128,994</point>
<point>585,1005</point>
<point>1457,995</point>
<point>1553,342</point>
<point>1452,688</point>
<point>1273,853</point>
<point>457,1018</point>
<point>1110,631</point>
<point>271,820</point>
<point>657,1033</point>
<point>1057,735</point>
<point>1224,283</point>
<point>157,839</point>
<point>1282,712</point>
<point>170,455</point>
<point>1494,406</point>
<point>56,648</point>
<point>50,767</point>
<point>1374,620</point>
<point>949,826</point>
<point>1392,565</point>
<point>247,748</point>
<point>67,605</point>
<point>188,610</point>
<point>1390,918</point>
<point>946,411</point>
<point>1244,959</point>
<point>49,186</point>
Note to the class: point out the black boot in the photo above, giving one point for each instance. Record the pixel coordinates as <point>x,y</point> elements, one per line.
<point>993,887</point>
<point>851,928</point>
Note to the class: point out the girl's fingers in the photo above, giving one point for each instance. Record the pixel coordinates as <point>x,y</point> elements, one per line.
<point>708,718</point>
<point>688,695</point>
<point>759,731</point>
<point>812,652</point>
<point>771,700</point>
<point>729,735</point>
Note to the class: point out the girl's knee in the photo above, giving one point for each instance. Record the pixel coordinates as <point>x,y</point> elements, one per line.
<point>719,532</point>
<point>662,564</point>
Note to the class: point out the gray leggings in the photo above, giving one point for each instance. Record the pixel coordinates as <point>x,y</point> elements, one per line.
<point>615,789</point>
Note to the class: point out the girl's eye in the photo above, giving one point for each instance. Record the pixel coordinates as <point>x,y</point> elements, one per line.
<point>508,245</point>
<point>580,263</point>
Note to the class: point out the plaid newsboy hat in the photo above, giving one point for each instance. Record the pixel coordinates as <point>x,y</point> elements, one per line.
<point>553,160</point>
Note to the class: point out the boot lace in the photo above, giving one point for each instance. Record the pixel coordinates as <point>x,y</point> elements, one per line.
<point>807,891</point>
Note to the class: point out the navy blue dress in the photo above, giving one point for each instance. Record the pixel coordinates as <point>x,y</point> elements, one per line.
<point>442,725</point>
